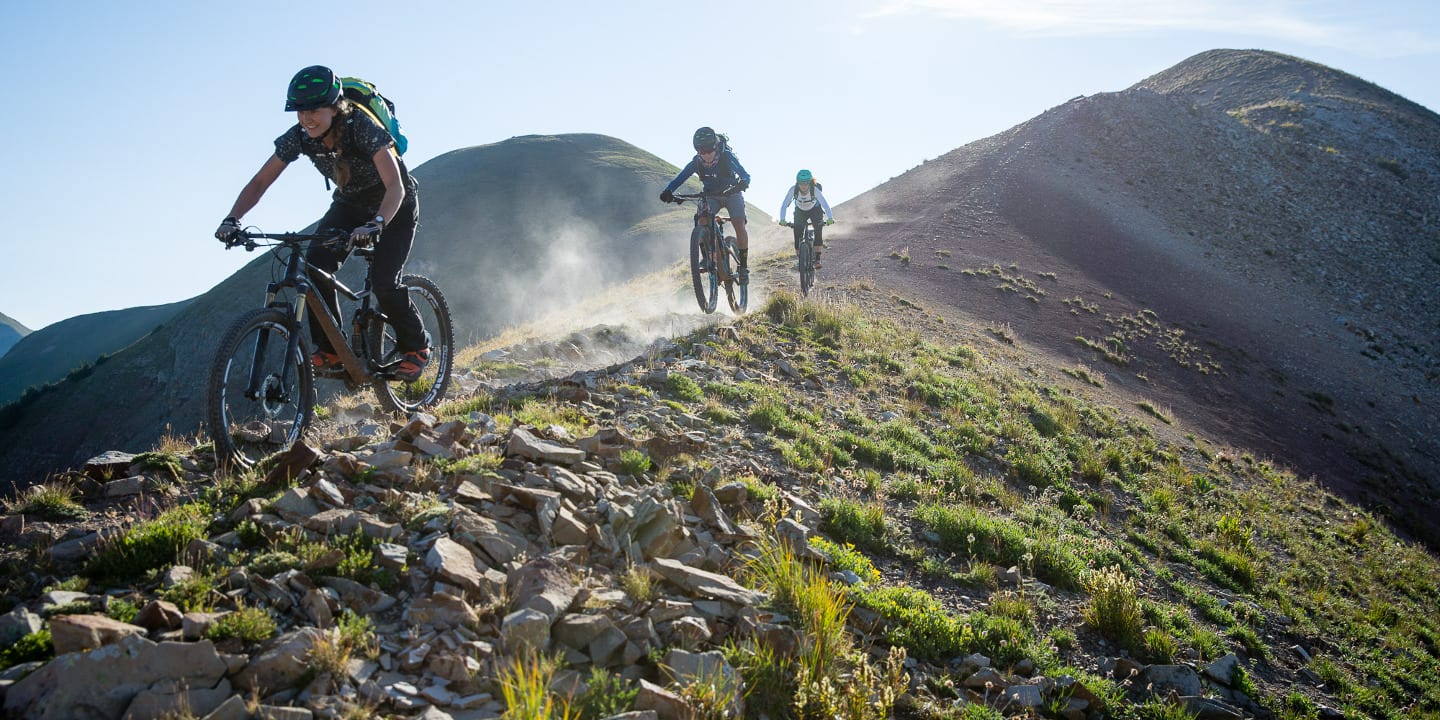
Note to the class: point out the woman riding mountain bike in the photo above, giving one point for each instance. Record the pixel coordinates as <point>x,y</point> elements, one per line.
<point>374,199</point>
<point>809,204</point>
<point>719,171</point>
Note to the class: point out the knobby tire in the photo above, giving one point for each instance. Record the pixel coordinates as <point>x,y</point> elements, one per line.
<point>731,258</point>
<point>705,284</point>
<point>805,257</point>
<point>395,394</point>
<point>246,430</point>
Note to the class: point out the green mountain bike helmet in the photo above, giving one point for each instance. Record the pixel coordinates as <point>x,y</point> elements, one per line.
<point>705,139</point>
<point>803,177</point>
<point>311,88</point>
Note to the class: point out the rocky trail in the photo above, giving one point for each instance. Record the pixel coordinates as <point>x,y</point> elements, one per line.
<point>609,517</point>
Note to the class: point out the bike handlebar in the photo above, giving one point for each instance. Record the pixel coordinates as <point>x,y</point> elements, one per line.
<point>250,240</point>
<point>679,197</point>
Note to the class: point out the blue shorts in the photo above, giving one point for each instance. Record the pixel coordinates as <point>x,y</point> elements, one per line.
<point>734,203</point>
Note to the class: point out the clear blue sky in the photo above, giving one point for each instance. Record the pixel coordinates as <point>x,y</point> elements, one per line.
<point>130,127</point>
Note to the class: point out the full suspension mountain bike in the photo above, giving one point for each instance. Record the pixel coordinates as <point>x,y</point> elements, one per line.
<point>714,259</point>
<point>262,390</point>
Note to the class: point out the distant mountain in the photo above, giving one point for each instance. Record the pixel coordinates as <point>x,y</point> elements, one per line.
<point>10,333</point>
<point>510,231</point>
<point>48,354</point>
<point>1248,240</point>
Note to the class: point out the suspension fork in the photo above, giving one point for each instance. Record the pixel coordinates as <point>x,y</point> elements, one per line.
<point>257,369</point>
<point>262,340</point>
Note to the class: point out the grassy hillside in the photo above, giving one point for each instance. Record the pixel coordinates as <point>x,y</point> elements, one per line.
<point>959,498</point>
<point>49,354</point>
<point>1235,237</point>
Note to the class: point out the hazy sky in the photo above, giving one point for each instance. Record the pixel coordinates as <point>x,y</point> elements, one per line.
<point>130,127</point>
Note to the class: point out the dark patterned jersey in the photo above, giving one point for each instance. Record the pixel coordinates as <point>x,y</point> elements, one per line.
<point>721,174</point>
<point>360,138</point>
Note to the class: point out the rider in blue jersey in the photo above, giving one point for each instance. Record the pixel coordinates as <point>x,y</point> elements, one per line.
<point>719,171</point>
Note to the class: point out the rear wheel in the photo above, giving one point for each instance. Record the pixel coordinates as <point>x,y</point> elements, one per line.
<point>705,280</point>
<point>259,399</point>
<point>402,396</point>
<point>736,292</point>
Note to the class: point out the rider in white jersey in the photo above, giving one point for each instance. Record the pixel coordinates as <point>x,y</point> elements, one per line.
<point>809,205</point>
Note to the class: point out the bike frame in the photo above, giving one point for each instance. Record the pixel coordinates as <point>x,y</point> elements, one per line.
<point>714,225</point>
<point>297,277</point>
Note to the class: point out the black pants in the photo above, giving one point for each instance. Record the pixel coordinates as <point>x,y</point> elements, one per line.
<point>815,216</point>
<point>391,251</point>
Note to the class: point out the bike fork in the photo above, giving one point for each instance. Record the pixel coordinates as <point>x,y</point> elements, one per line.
<point>252,388</point>
<point>292,349</point>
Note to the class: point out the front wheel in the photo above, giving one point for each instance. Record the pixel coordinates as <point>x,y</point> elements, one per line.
<point>703,276</point>
<point>396,394</point>
<point>261,394</point>
<point>805,258</point>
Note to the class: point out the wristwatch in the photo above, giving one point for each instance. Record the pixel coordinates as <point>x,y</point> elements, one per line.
<point>380,220</point>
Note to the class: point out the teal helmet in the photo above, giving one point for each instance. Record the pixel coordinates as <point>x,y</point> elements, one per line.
<point>804,176</point>
<point>705,139</point>
<point>311,88</point>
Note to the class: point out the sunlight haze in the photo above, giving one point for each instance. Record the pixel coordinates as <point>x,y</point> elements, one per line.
<point>131,127</point>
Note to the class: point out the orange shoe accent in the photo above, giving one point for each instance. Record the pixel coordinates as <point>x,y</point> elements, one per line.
<point>322,359</point>
<point>413,364</point>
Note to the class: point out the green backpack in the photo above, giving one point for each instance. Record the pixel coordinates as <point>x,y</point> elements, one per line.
<point>364,95</point>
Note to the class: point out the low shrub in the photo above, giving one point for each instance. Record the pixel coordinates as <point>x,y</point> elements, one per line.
<point>150,545</point>
<point>251,625</point>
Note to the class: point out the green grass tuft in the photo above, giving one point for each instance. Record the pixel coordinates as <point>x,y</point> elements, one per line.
<point>251,625</point>
<point>150,545</point>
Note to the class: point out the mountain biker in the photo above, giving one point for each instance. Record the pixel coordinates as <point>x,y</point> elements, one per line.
<point>809,202</point>
<point>719,170</point>
<point>374,196</point>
